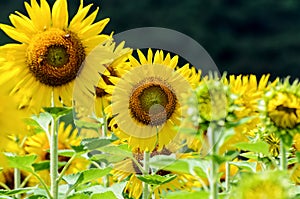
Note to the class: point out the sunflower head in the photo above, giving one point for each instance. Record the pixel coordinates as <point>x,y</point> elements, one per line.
<point>280,109</point>
<point>266,185</point>
<point>213,102</point>
<point>147,99</point>
<point>50,52</point>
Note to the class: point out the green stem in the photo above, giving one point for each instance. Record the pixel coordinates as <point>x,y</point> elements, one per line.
<point>211,132</point>
<point>54,159</point>
<point>146,168</point>
<point>43,184</point>
<point>62,173</point>
<point>227,176</point>
<point>283,158</point>
<point>17,180</point>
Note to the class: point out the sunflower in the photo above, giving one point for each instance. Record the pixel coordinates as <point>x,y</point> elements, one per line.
<point>147,100</point>
<point>120,55</point>
<point>11,124</point>
<point>127,169</point>
<point>38,144</point>
<point>263,185</point>
<point>249,90</point>
<point>280,109</point>
<point>41,68</point>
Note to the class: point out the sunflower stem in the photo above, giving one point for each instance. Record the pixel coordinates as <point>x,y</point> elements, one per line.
<point>146,168</point>
<point>283,158</point>
<point>54,159</point>
<point>227,177</point>
<point>17,180</point>
<point>212,133</point>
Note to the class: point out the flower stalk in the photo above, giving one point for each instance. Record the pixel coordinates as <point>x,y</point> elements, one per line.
<point>283,158</point>
<point>146,168</point>
<point>54,159</point>
<point>212,133</point>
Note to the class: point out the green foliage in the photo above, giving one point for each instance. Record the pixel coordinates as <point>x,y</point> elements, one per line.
<point>156,179</point>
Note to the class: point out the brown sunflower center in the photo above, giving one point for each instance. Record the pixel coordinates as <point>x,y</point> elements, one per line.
<point>100,92</point>
<point>55,56</point>
<point>287,110</point>
<point>152,102</point>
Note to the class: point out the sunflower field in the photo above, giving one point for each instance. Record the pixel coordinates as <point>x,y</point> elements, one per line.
<point>85,116</point>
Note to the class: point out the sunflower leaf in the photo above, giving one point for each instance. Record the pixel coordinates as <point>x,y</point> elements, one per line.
<point>95,143</point>
<point>57,112</point>
<point>79,196</point>
<point>41,165</point>
<point>107,195</point>
<point>44,120</point>
<point>156,179</point>
<point>118,151</point>
<point>21,162</point>
<point>249,166</point>
<point>258,147</point>
<point>15,191</point>
<point>190,195</point>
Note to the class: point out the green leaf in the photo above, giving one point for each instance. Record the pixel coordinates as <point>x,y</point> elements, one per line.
<point>95,143</point>
<point>189,195</point>
<point>72,178</point>
<point>119,151</point>
<point>298,156</point>
<point>15,191</point>
<point>79,149</point>
<point>87,125</point>
<point>37,197</point>
<point>21,162</point>
<point>249,166</point>
<point>156,179</point>
<point>86,176</point>
<point>66,152</point>
<point>116,188</point>
<point>107,157</point>
<point>44,120</point>
<point>106,195</point>
<point>258,147</point>
<point>189,165</point>
<point>57,112</point>
<point>41,165</point>
<point>79,196</point>
<point>93,174</point>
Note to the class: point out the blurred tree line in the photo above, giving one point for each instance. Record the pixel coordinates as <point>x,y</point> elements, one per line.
<point>242,37</point>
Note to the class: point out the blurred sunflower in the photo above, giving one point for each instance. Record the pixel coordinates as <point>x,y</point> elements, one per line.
<point>120,55</point>
<point>263,185</point>
<point>127,169</point>
<point>147,100</point>
<point>13,144</point>
<point>249,90</point>
<point>11,124</point>
<point>41,68</point>
<point>38,144</point>
<point>280,110</point>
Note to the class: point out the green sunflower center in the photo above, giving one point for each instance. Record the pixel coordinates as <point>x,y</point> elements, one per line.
<point>152,102</point>
<point>55,56</point>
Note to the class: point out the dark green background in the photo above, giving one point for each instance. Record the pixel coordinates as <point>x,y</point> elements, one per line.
<point>250,36</point>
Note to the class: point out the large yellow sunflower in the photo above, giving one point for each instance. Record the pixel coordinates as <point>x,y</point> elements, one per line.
<point>38,144</point>
<point>147,100</point>
<point>41,68</point>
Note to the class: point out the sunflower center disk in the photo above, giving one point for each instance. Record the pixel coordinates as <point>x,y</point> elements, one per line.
<point>55,56</point>
<point>152,103</point>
